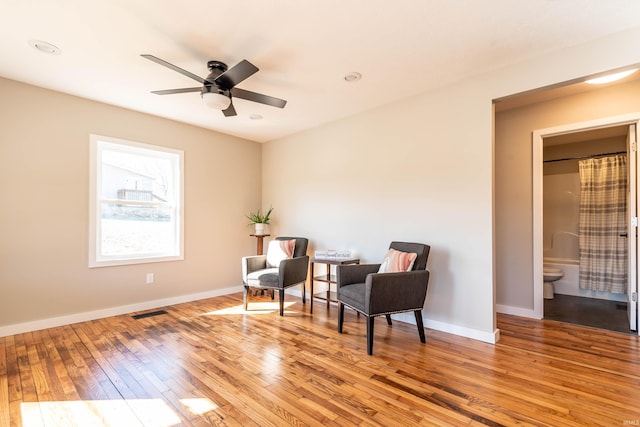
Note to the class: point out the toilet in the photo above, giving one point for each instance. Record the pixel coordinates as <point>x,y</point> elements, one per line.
<point>550,276</point>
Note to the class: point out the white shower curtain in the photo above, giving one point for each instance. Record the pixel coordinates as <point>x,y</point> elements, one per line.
<point>603,218</point>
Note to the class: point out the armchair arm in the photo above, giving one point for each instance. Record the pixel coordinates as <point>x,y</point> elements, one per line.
<point>293,271</point>
<point>390,292</point>
<point>354,273</point>
<point>251,264</point>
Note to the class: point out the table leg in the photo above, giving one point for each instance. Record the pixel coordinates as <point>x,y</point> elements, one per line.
<point>328,284</point>
<point>311,309</point>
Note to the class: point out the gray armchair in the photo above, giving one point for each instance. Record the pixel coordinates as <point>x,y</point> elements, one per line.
<point>363,289</point>
<point>256,273</point>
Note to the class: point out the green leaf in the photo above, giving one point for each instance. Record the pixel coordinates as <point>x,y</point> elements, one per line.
<point>258,217</point>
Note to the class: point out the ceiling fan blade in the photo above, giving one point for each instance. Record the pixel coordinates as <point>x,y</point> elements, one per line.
<point>230,111</point>
<point>173,67</point>
<point>172,91</point>
<point>258,97</point>
<point>236,74</point>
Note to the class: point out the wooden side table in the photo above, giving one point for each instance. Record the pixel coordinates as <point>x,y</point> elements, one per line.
<point>328,278</point>
<point>260,242</point>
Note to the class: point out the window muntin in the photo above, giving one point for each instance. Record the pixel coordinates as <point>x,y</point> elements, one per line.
<point>136,203</point>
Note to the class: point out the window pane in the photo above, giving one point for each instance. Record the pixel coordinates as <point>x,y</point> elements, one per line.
<point>136,195</point>
<point>135,231</point>
<point>130,176</point>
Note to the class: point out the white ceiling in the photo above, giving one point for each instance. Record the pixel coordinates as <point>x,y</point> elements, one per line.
<point>303,50</point>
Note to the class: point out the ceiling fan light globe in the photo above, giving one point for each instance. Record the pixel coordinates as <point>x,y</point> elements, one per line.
<point>216,100</point>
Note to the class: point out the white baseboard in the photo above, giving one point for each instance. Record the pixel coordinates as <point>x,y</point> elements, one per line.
<point>517,311</point>
<point>112,311</point>
<point>53,322</point>
<point>409,317</point>
<point>488,337</point>
<point>476,334</point>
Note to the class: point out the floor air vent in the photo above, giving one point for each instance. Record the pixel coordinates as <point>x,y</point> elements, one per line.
<point>150,314</point>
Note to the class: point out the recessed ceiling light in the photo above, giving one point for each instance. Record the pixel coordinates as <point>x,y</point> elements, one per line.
<point>611,77</point>
<point>45,47</point>
<point>353,76</point>
<point>256,117</point>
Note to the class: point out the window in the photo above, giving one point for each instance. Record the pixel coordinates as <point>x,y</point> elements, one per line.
<point>136,203</point>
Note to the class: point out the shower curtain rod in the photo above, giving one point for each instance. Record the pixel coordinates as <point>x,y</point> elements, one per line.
<point>591,156</point>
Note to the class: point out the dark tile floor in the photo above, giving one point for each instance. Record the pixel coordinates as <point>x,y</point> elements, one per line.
<point>596,313</point>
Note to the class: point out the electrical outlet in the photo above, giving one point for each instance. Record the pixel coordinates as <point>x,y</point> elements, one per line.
<point>149,278</point>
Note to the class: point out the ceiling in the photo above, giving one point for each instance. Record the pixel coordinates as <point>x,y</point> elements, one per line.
<point>303,50</point>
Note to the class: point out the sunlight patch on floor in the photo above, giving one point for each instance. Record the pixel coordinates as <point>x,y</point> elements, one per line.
<point>259,307</point>
<point>117,413</point>
<point>199,406</point>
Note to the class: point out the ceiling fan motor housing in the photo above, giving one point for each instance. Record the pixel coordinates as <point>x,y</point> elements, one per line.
<point>216,68</point>
<point>212,88</point>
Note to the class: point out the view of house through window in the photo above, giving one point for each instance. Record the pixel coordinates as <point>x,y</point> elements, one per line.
<point>136,202</point>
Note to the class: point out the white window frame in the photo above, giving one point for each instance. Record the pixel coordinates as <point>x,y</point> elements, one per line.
<point>97,144</point>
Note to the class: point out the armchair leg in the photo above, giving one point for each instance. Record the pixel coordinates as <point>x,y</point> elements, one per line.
<point>304,300</point>
<point>388,316</point>
<point>281,295</point>
<point>370,335</point>
<point>340,316</point>
<point>272,294</point>
<point>418,314</point>
<point>245,297</point>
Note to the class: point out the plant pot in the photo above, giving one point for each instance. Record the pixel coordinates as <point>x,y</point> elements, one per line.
<point>261,229</point>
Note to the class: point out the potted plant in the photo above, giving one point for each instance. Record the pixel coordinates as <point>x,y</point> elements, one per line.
<point>260,220</point>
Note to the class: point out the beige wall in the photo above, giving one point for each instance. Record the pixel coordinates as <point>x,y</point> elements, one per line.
<point>422,169</point>
<point>513,157</point>
<point>394,174</point>
<point>44,172</point>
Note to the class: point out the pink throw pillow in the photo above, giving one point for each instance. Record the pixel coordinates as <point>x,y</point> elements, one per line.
<point>396,261</point>
<point>279,250</point>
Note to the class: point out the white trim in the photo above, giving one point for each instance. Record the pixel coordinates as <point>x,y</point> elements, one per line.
<point>409,317</point>
<point>99,143</point>
<point>537,151</point>
<point>108,312</point>
<point>488,337</point>
<point>53,322</point>
<point>517,311</point>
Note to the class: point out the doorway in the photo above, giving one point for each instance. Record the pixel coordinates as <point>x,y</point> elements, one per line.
<point>567,236</point>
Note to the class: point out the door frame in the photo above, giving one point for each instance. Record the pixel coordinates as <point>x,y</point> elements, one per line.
<point>632,231</point>
<point>537,138</point>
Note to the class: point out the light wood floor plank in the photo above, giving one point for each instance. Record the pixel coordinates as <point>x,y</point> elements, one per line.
<point>4,385</point>
<point>210,363</point>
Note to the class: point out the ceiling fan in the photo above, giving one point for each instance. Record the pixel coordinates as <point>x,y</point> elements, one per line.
<point>219,87</point>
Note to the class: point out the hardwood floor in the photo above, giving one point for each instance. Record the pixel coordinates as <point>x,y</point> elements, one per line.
<point>208,363</point>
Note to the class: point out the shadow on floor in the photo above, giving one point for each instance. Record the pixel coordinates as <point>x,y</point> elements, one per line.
<point>595,313</point>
